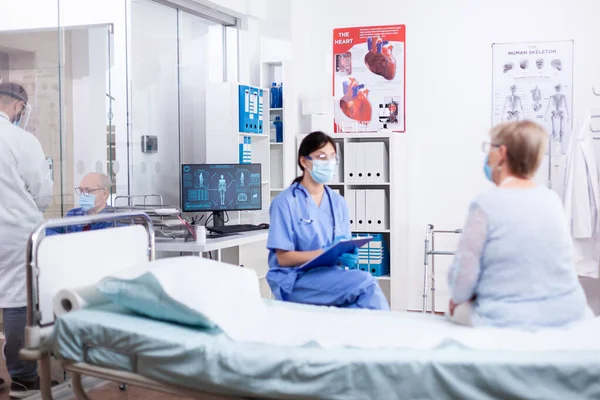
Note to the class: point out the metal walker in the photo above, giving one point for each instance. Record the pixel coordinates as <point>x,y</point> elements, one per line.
<point>430,237</point>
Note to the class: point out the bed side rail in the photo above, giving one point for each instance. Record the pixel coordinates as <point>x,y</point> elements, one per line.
<point>35,331</point>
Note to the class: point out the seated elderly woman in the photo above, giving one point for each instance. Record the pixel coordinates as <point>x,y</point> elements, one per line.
<point>513,266</point>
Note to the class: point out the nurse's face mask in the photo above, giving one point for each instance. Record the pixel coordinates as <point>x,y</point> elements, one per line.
<point>323,166</point>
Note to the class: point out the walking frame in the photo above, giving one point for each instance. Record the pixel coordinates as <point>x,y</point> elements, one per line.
<point>430,238</point>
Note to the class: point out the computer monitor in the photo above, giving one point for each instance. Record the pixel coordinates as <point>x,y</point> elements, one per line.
<point>220,187</point>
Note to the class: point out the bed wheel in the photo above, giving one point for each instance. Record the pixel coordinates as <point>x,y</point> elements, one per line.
<point>122,387</point>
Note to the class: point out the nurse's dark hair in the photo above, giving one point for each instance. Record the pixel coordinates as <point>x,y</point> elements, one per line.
<point>312,142</point>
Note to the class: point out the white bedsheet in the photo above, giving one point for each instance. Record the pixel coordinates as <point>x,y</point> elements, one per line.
<point>230,297</point>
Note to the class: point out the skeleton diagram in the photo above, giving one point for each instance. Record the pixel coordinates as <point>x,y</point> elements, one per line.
<point>559,113</point>
<point>222,189</point>
<point>513,108</point>
<point>242,179</point>
<point>201,178</point>
<point>537,98</point>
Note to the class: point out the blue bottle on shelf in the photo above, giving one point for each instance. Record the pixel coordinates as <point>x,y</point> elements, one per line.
<point>274,96</point>
<point>278,130</point>
<point>280,96</point>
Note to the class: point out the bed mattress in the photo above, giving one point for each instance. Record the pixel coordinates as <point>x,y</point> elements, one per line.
<point>207,360</point>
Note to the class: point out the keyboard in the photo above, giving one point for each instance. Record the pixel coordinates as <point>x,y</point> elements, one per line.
<point>233,229</point>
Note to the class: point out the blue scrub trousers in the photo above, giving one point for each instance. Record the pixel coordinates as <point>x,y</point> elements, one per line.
<point>14,320</point>
<point>331,286</point>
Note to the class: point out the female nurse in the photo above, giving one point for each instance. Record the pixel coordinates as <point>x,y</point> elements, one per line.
<point>307,218</point>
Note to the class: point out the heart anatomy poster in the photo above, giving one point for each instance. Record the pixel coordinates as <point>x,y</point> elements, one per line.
<point>534,81</point>
<point>369,78</point>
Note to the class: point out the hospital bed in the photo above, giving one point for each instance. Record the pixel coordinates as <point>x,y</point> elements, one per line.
<point>111,343</point>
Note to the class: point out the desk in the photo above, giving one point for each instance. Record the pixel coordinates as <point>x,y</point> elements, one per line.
<point>180,246</point>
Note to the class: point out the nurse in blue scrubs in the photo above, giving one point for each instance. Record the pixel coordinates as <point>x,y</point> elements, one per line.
<point>307,218</point>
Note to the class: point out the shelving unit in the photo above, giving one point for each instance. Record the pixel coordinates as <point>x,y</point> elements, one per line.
<point>393,235</point>
<point>281,153</point>
<point>222,147</point>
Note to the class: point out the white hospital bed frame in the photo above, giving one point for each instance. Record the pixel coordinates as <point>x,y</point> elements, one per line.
<point>36,332</point>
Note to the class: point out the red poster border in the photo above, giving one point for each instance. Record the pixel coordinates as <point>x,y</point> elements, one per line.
<point>358,28</point>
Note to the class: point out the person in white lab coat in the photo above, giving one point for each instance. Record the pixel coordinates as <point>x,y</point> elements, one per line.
<point>582,200</point>
<point>25,192</point>
<point>582,203</point>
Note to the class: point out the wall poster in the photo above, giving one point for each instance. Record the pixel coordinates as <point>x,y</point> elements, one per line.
<point>369,78</point>
<point>534,81</point>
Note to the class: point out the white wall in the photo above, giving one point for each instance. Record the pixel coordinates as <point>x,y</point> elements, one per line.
<point>448,89</point>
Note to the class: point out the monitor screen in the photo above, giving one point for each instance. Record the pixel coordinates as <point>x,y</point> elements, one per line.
<point>220,187</point>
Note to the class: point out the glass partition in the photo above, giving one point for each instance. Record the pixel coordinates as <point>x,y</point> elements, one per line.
<point>116,86</point>
<point>29,56</point>
<point>154,101</point>
<point>87,129</point>
<point>201,62</point>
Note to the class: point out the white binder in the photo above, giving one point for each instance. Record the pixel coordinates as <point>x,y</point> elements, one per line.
<point>361,224</point>
<point>377,167</point>
<point>360,154</point>
<point>371,198</point>
<point>381,208</point>
<point>351,202</point>
<point>349,163</point>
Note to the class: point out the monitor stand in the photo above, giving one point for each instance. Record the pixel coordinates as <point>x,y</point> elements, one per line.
<point>218,219</point>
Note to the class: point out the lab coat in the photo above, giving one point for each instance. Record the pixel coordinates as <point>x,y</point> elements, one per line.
<point>582,200</point>
<point>25,192</point>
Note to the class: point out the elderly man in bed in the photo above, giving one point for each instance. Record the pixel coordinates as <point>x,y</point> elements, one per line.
<point>93,193</point>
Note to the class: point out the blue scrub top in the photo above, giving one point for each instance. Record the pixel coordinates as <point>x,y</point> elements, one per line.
<point>288,232</point>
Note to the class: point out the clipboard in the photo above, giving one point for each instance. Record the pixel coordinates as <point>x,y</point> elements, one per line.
<point>331,255</point>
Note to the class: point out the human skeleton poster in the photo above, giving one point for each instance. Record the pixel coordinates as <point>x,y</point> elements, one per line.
<point>534,81</point>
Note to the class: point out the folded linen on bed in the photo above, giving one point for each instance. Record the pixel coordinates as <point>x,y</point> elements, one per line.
<point>72,299</point>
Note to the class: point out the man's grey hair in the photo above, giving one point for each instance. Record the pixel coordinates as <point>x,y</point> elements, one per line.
<point>105,182</point>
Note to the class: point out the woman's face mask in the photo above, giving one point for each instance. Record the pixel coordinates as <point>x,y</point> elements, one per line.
<point>323,170</point>
<point>487,170</point>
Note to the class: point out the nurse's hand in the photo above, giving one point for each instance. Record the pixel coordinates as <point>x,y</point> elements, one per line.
<point>349,260</point>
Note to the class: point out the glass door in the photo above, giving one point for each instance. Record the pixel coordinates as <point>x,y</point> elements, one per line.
<point>30,58</point>
<point>87,129</point>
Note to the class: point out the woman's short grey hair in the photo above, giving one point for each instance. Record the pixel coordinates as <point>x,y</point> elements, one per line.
<point>525,143</point>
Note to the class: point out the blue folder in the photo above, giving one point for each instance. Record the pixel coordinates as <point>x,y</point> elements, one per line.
<point>331,255</point>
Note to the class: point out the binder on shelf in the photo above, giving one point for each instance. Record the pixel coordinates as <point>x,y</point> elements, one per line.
<point>349,163</point>
<point>245,150</point>
<point>370,206</point>
<point>254,110</point>
<point>381,209</point>
<point>360,161</point>
<point>377,168</point>
<point>350,196</point>
<point>261,119</point>
<point>244,108</point>
<point>361,223</point>
<point>374,257</point>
